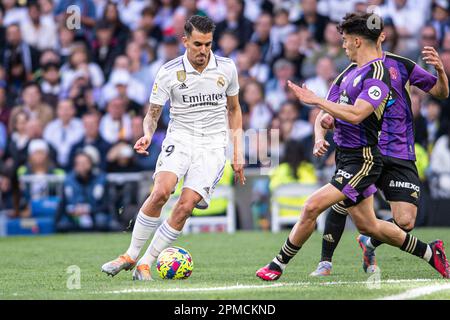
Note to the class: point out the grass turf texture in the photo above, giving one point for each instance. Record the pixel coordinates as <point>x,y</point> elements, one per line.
<point>35,268</point>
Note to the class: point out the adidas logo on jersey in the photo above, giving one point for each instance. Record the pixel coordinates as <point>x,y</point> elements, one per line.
<point>183,86</point>
<point>415,195</point>
<point>339,179</point>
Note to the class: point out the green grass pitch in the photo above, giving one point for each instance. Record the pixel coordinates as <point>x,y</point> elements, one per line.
<point>224,268</point>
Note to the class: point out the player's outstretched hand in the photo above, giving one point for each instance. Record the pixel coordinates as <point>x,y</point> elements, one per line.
<point>303,93</point>
<point>431,57</point>
<point>142,144</point>
<point>320,148</point>
<point>327,121</point>
<point>239,173</point>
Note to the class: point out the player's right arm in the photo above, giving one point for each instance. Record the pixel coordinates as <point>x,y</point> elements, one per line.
<point>150,124</point>
<point>160,95</point>
<point>320,144</point>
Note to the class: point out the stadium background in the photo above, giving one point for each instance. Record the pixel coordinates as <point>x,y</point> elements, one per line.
<point>69,92</point>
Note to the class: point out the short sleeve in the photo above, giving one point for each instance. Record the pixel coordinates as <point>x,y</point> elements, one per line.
<point>374,91</point>
<point>422,79</point>
<point>233,87</point>
<point>161,88</point>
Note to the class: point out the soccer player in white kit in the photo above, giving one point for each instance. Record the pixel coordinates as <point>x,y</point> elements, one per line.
<point>203,91</point>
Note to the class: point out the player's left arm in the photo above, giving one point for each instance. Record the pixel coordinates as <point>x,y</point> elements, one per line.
<point>235,124</point>
<point>353,114</point>
<point>440,90</point>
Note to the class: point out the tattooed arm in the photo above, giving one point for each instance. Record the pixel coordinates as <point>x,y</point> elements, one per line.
<point>150,124</point>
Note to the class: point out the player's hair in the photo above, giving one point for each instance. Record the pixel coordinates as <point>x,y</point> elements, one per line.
<point>367,25</point>
<point>201,24</point>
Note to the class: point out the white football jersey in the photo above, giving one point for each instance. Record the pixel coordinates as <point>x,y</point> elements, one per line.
<point>198,101</point>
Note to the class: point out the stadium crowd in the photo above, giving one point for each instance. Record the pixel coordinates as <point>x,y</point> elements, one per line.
<point>73,97</point>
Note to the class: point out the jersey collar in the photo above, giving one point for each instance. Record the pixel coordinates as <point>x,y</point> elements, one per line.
<point>212,64</point>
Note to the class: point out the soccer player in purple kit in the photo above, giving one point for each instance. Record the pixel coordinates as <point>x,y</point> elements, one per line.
<point>362,98</point>
<point>399,179</point>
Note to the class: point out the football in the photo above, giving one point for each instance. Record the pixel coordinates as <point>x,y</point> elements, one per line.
<point>174,263</point>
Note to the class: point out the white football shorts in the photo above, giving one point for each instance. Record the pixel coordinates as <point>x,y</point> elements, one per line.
<point>201,166</point>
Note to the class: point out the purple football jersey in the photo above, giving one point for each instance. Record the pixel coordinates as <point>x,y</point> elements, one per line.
<point>397,133</point>
<point>370,82</point>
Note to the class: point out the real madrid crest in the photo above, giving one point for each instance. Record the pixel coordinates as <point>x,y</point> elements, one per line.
<point>220,82</point>
<point>181,75</point>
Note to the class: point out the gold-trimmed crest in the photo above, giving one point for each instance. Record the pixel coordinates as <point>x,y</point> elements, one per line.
<point>181,75</point>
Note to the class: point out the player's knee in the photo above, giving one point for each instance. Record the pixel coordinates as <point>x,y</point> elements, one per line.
<point>160,197</point>
<point>405,223</point>
<point>184,208</point>
<point>310,210</point>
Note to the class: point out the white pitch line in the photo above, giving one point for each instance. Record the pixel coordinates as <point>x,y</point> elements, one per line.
<point>263,286</point>
<point>417,292</point>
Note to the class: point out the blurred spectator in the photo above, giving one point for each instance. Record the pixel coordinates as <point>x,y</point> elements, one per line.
<point>79,64</point>
<point>284,70</point>
<point>292,127</point>
<point>440,165</point>
<point>120,158</point>
<point>115,125</point>
<point>38,32</point>
<point>130,12</point>
<point>33,105</point>
<point>92,137</point>
<point>391,42</point>
<point>148,24</point>
<point>440,18</point>
<point>12,13</point>
<point>420,124</point>
<point>50,84</point>
<point>407,20</point>
<point>325,74</point>
<point>87,19</point>
<point>105,47</point>
<point>257,113</point>
<point>427,38</point>
<point>130,90</point>
<point>336,9</point>
<point>312,20</point>
<point>235,20</point>
<point>82,93</point>
<point>331,48</point>
<point>63,132</point>
<point>228,44</point>
<point>18,59</point>
<point>169,50</point>
<point>112,16</point>
<point>291,52</point>
<point>19,138</point>
<point>281,27</point>
<point>165,13</point>
<point>84,198</point>
<point>258,70</point>
<point>435,125</point>
<point>191,8</point>
<point>38,163</point>
<point>254,8</point>
<point>66,42</point>
<point>5,109</point>
<point>261,36</point>
<point>215,9</point>
<point>139,36</point>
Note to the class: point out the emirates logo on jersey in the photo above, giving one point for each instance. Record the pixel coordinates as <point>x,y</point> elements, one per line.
<point>393,73</point>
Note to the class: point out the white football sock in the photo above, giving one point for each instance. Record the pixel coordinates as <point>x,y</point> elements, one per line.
<point>144,226</point>
<point>164,236</point>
